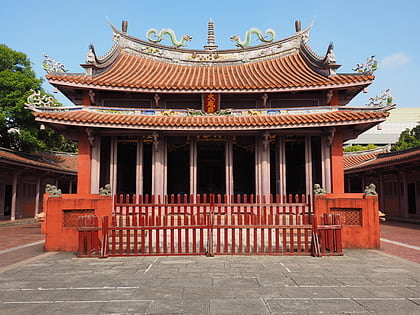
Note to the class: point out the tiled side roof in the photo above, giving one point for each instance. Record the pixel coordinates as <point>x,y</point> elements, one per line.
<point>352,159</point>
<point>66,164</point>
<point>391,158</point>
<point>289,72</point>
<point>90,118</point>
<point>65,160</point>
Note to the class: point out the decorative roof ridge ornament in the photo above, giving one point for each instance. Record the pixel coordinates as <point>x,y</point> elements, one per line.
<point>36,100</point>
<point>155,37</point>
<point>91,55</point>
<point>385,101</point>
<point>50,65</point>
<point>271,34</point>
<point>369,67</point>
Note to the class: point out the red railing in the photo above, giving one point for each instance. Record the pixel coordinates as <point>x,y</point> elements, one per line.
<point>275,204</point>
<point>327,235</point>
<point>89,243</point>
<point>142,229</point>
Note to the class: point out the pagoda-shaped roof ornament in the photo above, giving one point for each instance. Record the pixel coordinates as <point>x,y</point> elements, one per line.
<point>211,43</point>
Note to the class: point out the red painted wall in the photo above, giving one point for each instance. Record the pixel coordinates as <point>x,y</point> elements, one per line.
<point>58,237</point>
<point>367,235</point>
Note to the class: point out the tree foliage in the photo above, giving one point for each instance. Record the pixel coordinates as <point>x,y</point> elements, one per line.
<point>409,138</point>
<point>359,147</point>
<point>18,128</point>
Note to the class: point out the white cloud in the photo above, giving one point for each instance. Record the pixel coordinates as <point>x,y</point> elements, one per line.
<point>395,60</point>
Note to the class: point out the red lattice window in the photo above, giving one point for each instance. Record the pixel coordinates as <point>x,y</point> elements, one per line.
<point>70,216</point>
<point>349,216</point>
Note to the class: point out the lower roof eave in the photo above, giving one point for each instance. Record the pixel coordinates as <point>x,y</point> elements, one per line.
<point>208,128</point>
<point>59,84</point>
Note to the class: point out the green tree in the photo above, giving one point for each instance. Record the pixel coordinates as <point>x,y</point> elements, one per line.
<point>409,138</point>
<point>359,147</point>
<point>18,128</point>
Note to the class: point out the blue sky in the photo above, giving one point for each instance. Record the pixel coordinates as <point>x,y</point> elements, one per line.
<point>358,29</point>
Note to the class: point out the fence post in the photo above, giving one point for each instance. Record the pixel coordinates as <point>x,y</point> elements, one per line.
<point>104,243</point>
<point>209,252</point>
<point>316,251</point>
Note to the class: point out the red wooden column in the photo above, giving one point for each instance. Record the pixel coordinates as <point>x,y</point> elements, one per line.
<point>83,174</point>
<point>337,164</point>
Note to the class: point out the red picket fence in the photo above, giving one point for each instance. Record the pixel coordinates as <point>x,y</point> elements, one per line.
<point>212,226</point>
<point>327,235</point>
<point>89,243</point>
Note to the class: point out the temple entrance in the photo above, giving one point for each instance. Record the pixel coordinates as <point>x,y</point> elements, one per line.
<point>244,166</point>
<point>295,165</point>
<point>178,166</point>
<point>126,165</point>
<point>211,168</point>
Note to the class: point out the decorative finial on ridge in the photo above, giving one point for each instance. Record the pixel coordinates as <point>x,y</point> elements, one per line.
<point>383,100</point>
<point>370,66</point>
<point>155,37</point>
<point>211,43</point>
<point>270,35</point>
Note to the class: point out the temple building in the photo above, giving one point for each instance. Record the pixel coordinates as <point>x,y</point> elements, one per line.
<point>161,120</point>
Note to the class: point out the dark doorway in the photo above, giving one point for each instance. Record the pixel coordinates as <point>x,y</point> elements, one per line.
<point>244,165</point>
<point>8,199</point>
<point>316,160</point>
<point>211,168</point>
<point>147,168</point>
<point>126,165</point>
<point>104,176</point>
<point>295,165</point>
<point>178,166</point>
<point>411,188</point>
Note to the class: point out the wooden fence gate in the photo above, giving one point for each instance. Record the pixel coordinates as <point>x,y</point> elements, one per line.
<point>209,225</point>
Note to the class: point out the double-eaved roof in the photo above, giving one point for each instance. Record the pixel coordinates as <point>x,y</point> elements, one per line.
<point>141,66</point>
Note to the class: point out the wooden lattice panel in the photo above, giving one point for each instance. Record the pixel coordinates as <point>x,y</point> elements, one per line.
<point>70,217</point>
<point>349,216</point>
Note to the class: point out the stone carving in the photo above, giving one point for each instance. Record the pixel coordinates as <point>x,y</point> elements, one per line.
<point>52,190</point>
<point>269,37</point>
<point>50,65</point>
<point>318,190</point>
<point>38,100</point>
<point>370,65</point>
<point>370,190</point>
<point>154,36</point>
<point>105,191</point>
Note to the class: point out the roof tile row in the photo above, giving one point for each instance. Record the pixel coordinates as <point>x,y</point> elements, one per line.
<point>136,72</point>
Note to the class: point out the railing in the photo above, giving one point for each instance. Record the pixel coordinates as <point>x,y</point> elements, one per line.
<point>89,243</point>
<point>144,229</point>
<point>176,204</point>
<point>327,235</point>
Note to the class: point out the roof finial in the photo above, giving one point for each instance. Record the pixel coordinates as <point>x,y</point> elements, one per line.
<point>124,26</point>
<point>298,26</point>
<point>210,37</point>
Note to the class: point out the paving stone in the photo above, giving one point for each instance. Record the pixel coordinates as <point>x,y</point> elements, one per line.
<point>390,305</point>
<point>238,306</point>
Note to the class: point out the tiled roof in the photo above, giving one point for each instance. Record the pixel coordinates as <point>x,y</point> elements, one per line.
<point>130,72</point>
<point>61,163</point>
<point>90,118</point>
<point>392,158</point>
<point>352,159</point>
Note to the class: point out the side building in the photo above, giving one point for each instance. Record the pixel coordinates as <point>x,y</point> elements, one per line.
<point>396,176</point>
<point>24,177</point>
